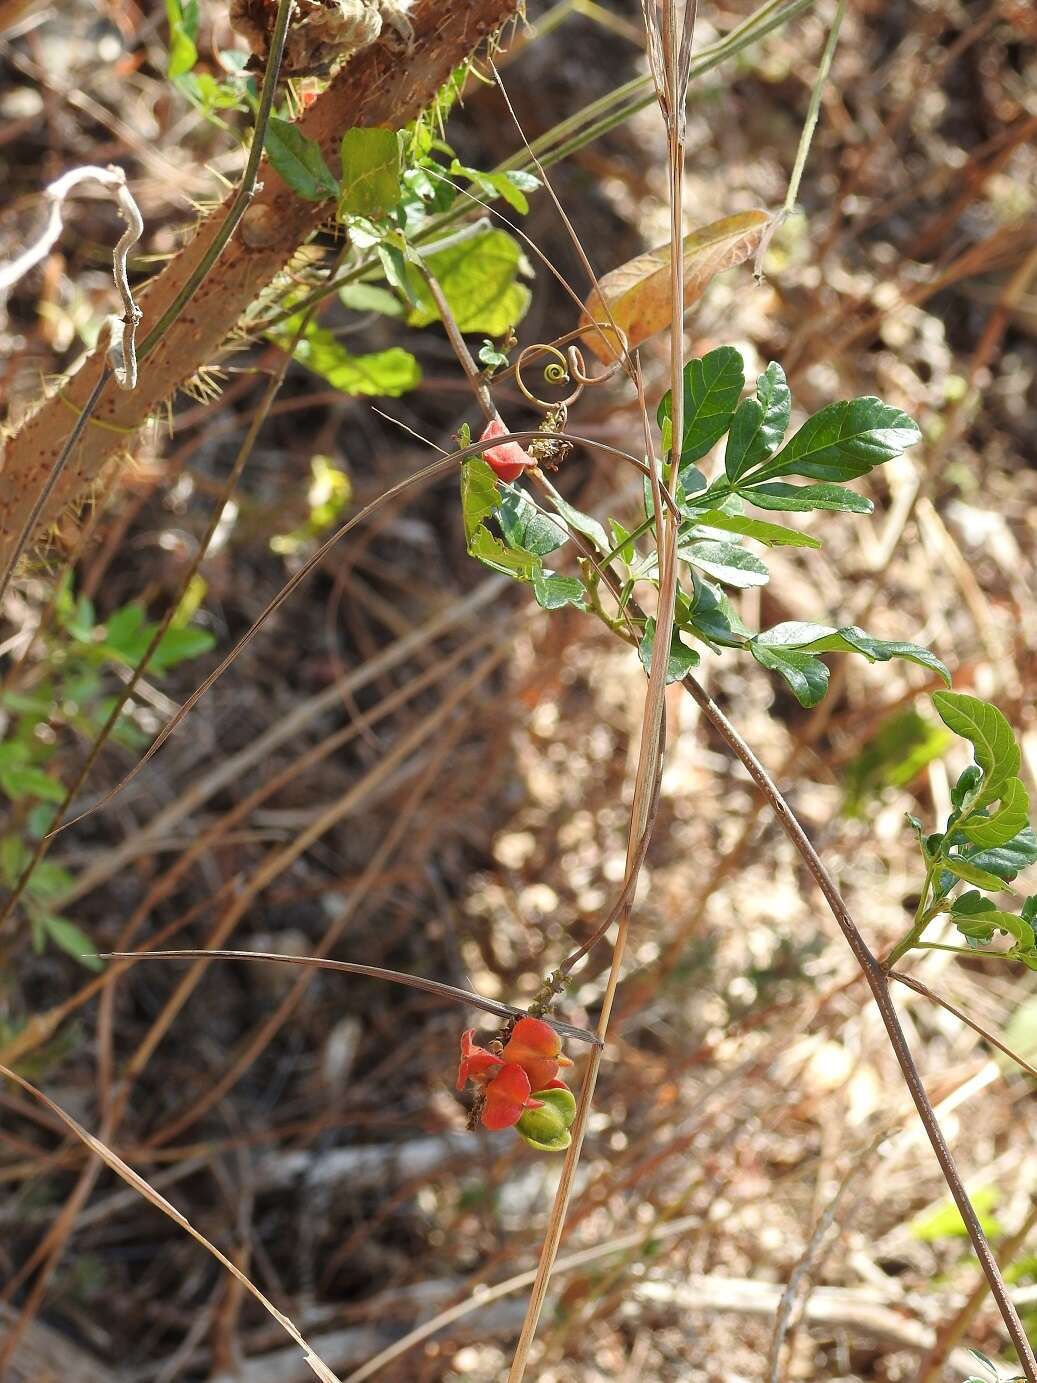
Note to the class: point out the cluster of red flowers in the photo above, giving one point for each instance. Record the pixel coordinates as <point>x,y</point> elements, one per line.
<point>520,1087</point>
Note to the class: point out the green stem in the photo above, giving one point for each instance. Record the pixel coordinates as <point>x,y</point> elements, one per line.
<point>921,920</point>
<point>960,950</point>
<point>813,110</point>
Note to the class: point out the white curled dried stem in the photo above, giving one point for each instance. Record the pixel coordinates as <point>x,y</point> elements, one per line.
<point>122,350</point>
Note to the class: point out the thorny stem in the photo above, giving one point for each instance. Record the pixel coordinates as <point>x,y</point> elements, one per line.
<point>877,982</point>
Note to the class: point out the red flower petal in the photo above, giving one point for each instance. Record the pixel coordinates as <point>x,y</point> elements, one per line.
<point>507,1095</point>
<point>476,1061</point>
<point>509,460</point>
<point>537,1048</point>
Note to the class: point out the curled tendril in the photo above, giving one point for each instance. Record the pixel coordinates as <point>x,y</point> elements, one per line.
<point>563,368</point>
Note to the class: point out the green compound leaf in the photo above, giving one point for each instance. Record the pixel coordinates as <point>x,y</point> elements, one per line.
<point>726,563</point>
<point>802,499</point>
<point>843,441</point>
<point>988,732</point>
<point>370,173</point>
<point>759,424</point>
<point>712,387</point>
<point>299,161</point>
<point>770,534</point>
<point>479,278</point>
<point>681,660</point>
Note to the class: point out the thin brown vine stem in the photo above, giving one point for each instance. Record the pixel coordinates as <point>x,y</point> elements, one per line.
<point>963,1017</point>
<point>877,982</point>
<point>371,972</point>
<point>431,472</point>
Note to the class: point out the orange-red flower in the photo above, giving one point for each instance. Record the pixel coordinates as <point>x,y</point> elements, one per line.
<point>509,460</point>
<point>507,1098</point>
<point>476,1062</point>
<point>537,1048</point>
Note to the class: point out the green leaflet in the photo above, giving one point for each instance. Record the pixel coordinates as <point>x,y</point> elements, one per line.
<point>480,280</point>
<point>725,562</point>
<point>805,498</point>
<point>759,423</point>
<point>370,173</point>
<point>770,534</point>
<point>299,161</point>
<point>843,441</point>
<point>988,732</point>
<point>711,389</point>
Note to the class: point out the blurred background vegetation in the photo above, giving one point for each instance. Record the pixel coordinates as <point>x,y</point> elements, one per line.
<point>412,766</point>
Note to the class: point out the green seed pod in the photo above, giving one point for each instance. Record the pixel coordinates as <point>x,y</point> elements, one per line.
<point>547,1128</point>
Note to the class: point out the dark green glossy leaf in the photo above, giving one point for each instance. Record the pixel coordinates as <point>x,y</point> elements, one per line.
<point>759,423</point>
<point>770,534</point>
<point>844,440</point>
<point>299,161</point>
<point>821,638</point>
<point>988,732</point>
<point>712,387</point>
<point>579,521</point>
<point>806,675</point>
<point>1010,859</point>
<point>725,562</point>
<point>802,499</point>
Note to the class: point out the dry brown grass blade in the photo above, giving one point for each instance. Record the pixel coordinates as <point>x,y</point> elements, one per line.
<point>149,1193</point>
<point>373,972</point>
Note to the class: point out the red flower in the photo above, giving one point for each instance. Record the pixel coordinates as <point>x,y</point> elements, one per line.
<point>507,1098</point>
<point>509,460</point>
<point>476,1062</point>
<point>537,1048</point>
